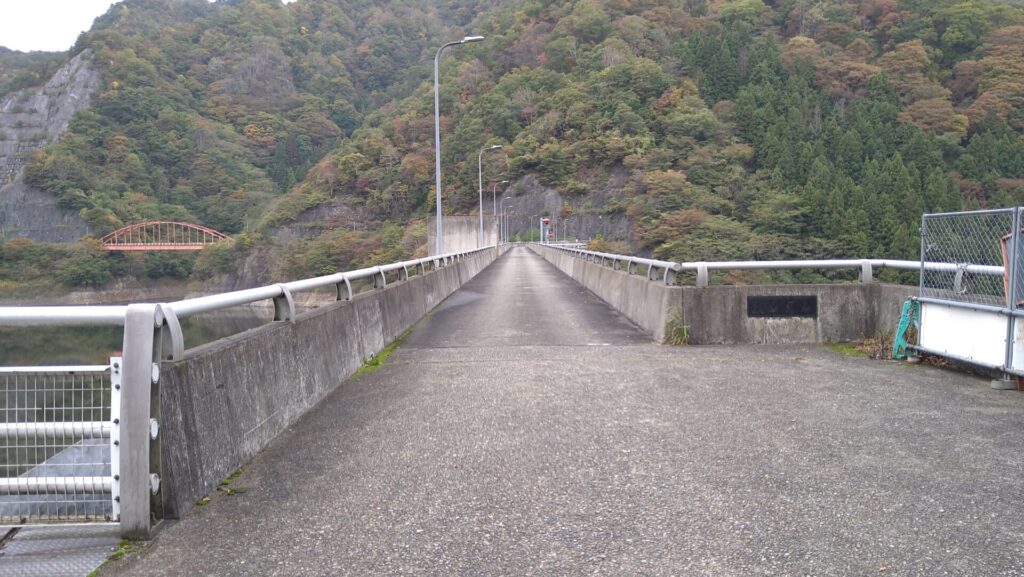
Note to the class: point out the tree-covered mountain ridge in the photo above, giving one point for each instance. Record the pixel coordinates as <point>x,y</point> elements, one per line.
<point>707,131</point>
<point>732,130</point>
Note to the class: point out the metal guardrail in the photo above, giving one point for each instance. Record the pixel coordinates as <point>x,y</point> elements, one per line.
<point>281,294</point>
<point>970,265</point>
<point>666,271</point>
<point>113,477</point>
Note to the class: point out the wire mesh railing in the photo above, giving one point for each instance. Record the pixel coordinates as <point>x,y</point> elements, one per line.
<point>973,242</point>
<point>56,444</point>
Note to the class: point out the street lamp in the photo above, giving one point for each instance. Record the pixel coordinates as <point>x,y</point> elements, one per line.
<point>504,223</point>
<point>439,245</point>
<point>480,189</point>
<point>494,189</point>
<point>508,215</point>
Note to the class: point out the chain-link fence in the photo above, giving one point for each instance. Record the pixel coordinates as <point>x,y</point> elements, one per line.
<point>55,444</point>
<point>964,256</point>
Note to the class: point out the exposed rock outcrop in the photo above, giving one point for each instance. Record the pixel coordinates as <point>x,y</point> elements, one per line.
<point>30,119</point>
<point>530,197</point>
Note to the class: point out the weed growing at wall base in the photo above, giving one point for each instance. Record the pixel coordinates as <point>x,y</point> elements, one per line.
<point>677,332</point>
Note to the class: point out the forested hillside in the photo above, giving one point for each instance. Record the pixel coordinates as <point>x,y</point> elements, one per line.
<point>724,131</point>
<point>719,130</point>
<point>20,69</point>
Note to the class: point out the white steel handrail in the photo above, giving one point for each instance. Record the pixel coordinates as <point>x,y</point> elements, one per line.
<point>835,264</point>
<point>702,268</point>
<point>93,315</point>
<point>78,429</point>
<point>62,316</point>
<point>63,370</point>
<point>44,485</point>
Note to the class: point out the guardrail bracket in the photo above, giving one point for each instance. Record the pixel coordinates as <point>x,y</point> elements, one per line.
<point>284,305</point>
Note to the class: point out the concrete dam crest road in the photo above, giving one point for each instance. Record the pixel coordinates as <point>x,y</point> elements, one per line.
<point>526,428</point>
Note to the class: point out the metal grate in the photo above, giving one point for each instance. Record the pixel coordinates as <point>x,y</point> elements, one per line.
<point>55,444</point>
<point>969,241</point>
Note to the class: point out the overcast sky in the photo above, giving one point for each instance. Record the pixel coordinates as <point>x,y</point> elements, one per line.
<point>52,25</point>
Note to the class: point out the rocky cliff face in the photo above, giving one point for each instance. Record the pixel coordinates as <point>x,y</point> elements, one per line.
<point>29,120</point>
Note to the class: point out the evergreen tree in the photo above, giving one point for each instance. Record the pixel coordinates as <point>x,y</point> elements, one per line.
<point>720,78</point>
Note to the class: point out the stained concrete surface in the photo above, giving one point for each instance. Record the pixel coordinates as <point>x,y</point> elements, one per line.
<point>527,429</point>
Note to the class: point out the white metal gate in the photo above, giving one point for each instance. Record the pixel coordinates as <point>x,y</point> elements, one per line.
<point>59,444</point>
<point>967,311</point>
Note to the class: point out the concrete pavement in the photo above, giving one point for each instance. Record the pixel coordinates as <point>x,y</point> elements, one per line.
<point>525,428</point>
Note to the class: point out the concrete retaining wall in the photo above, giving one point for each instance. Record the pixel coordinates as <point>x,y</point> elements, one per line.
<point>227,400</point>
<point>718,314</point>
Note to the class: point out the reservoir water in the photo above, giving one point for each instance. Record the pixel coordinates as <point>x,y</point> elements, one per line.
<point>48,346</point>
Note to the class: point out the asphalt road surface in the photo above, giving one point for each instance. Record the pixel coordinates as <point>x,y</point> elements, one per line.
<point>525,428</point>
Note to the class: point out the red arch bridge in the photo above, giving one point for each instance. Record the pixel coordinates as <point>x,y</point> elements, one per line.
<point>162,235</point>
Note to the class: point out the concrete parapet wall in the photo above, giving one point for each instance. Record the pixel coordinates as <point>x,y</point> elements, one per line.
<point>888,301</point>
<point>845,312</point>
<point>719,315</point>
<point>227,400</point>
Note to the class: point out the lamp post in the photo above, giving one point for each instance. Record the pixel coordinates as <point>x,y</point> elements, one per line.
<point>504,223</point>
<point>480,188</point>
<point>439,244</point>
<point>494,189</point>
<point>508,215</point>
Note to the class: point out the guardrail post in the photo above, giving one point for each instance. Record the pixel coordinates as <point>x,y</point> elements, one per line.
<point>958,280</point>
<point>284,305</point>
<point>138,376</point>
<point>703,278</point>
<point>172,339</point>
<point>867,274</point>
<point>631,267</point>
<point>403,273</point>
<point>670,276</point>
<point>379,280</point>
<point>1011,298</point>
<point>344,294</point>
